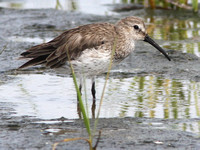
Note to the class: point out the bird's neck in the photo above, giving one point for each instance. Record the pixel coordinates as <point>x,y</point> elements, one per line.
<point>123,46</point>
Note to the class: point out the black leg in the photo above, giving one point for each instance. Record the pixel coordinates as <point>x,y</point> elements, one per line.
<point>78,106</point>
<point>93,90</point>
<point>94,99</point>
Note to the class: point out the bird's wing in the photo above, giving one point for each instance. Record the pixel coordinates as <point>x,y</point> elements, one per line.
<point>73,42</point>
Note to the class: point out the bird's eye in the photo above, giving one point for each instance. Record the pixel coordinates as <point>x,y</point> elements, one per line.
<point>136,27</point>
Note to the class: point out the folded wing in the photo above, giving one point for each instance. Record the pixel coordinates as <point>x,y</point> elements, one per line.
<point>72,42</point>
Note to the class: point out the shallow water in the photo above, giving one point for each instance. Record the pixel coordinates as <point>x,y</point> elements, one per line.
<point>178,34</point>
<point>147,96</point>
<point>87,6</point>
<point>49,97</point>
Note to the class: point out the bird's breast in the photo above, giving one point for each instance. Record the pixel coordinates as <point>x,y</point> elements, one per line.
<point>91,62</point>
<point>124,48</point>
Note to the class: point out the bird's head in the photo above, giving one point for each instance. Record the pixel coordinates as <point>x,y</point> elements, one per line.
<point>134,28</point>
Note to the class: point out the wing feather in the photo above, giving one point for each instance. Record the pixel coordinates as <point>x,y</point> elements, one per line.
<point>72,42</point>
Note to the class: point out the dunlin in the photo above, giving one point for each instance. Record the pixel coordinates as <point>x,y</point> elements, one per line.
<point>89,47</point>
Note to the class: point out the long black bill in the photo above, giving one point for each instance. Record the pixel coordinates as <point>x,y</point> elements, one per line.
<point>151,41</point>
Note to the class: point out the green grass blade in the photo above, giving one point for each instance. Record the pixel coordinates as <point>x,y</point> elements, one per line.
<point>85,117</point>
<point>86,99</point>
<point>81,105</point>
<point>195,5</point>
<point>58,5</point>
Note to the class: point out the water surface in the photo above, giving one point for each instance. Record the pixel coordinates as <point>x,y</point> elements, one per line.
<point>147,96</point>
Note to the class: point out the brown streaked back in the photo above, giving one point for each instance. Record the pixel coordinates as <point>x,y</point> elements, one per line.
<point>54,53</point>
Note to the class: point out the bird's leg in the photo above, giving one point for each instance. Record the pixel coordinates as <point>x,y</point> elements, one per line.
<point>94,98</point>
<point>93,91</point>
<point>78,106</point>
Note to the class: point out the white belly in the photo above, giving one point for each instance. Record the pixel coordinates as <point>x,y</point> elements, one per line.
<point>92,62</point>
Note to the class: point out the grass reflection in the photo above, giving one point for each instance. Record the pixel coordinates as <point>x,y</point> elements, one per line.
<point>157,97</point>
<point>180,34</point>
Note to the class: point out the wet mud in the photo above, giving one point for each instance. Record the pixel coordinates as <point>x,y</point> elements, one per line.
<point>28,132</point>
<point>117,133</point>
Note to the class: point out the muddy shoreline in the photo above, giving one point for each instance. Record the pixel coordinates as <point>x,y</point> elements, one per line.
<point>26,132</point>
<point>117,133</point>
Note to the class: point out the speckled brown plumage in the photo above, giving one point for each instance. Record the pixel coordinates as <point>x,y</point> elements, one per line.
<point>54,53</point>
<point>91,41</point>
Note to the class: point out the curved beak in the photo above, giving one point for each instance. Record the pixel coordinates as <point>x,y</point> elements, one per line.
<point>153,43</point>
